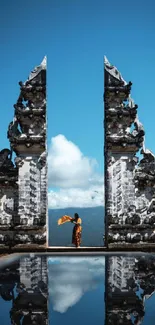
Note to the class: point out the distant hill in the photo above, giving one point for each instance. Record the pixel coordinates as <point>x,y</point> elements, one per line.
<point>92,224</point>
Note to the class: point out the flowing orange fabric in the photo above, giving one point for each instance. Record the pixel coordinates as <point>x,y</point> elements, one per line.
<point>77,232</point>
<point>64,219</point>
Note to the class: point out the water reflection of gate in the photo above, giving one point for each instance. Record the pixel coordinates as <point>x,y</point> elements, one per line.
<point>25,284</point>
<point>129,281</point>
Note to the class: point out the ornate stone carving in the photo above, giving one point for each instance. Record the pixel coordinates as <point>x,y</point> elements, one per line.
<point>129,186</point>
<point>13,130</point>
<point>23,190</point>
<point>130,281</point>
<point>24,285</point>
<point>114,76</point>
<point>8,192</point>
<point>42,159</point>
<point>37,70</point>
<point>19,162</point>
<point>29,125</point>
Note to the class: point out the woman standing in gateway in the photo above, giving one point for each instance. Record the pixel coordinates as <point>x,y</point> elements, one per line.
<point>77,230</point>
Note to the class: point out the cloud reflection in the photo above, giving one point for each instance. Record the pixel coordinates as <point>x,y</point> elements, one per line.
<point>70,278</point>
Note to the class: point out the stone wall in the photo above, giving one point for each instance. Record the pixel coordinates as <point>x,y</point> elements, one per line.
<point>129,184</point>
<point>23,193</point>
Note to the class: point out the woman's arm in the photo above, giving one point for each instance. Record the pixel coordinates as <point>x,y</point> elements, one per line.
<point>75,222</point>
<point>78,222</point>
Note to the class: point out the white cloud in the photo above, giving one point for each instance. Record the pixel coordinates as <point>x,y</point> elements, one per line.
<point>74,175</point>
<point>68,167</point>
<point>70,278</point>
<point>74,197</point>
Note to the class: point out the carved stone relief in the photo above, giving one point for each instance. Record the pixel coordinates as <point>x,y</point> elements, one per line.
<point>130,282</point>
<point>23,186</point>
<point>129,184</point>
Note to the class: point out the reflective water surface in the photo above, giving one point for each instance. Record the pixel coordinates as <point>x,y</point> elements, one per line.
<point>116,289</point>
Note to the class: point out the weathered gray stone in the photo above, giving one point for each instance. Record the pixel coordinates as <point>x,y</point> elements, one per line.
<point>24,285</point>
<point>129,282</point>
<point>23,192</point>
<point>129,185</point>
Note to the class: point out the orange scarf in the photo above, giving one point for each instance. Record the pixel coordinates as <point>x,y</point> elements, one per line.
<point>64,219</point>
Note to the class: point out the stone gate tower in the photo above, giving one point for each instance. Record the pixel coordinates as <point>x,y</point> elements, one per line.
<point>129,185</point>
<point>27,135</point>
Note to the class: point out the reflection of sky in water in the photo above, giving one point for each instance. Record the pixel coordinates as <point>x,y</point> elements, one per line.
<point>5,307</point>
<point>149,318</point>
<point>76,289</point>
<point>140,291</point>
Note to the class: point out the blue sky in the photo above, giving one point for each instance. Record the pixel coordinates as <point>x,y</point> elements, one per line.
<point>75,35</point>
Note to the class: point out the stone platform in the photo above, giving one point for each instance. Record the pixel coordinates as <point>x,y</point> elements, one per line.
<point>113,249</point>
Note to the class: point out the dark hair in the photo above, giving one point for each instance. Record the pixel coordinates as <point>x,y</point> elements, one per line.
<point>76,215</point>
